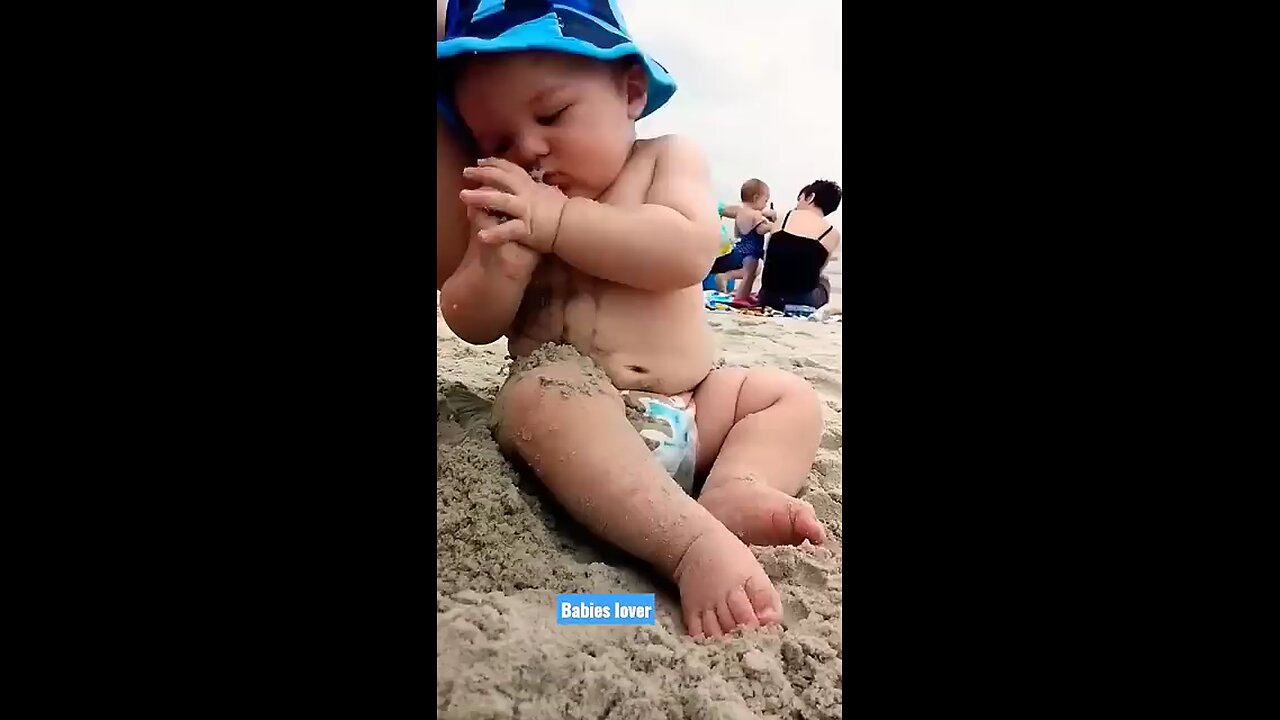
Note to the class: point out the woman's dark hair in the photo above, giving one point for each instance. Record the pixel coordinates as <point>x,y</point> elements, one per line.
<point>826,195</point>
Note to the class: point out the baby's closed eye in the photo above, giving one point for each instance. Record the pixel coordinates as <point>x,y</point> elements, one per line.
<point>550,118</point>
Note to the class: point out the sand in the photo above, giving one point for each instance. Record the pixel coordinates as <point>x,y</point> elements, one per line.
<point>506,549</point>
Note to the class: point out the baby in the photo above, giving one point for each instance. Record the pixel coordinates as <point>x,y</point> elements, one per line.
<point>593,274</point>
<point>752,221</point>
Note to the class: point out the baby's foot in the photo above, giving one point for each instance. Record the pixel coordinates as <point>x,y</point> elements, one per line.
<point>762,515</point>
<point>722,586</point>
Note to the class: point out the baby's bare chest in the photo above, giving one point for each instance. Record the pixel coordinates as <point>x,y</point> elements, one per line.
<point>611,323</point>
<point>642,340</point>
<point>632,333</point>
<point>633,184</point>
<point>562,304</point>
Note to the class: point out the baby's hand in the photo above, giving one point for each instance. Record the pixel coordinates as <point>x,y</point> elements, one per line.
<point>507,259</point>
<point>535,208</point>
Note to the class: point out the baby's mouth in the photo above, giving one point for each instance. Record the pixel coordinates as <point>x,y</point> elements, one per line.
<point>540,175</point>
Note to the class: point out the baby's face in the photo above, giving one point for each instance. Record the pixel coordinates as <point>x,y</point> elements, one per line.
<point>573,118</point>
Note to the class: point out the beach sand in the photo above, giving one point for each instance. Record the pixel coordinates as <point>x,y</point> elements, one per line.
<point>506,549</point>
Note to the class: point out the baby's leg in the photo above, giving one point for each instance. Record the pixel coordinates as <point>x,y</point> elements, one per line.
<point>568,422</point>
<point>749,267</point>
<point>758,432</point>
<point>722,280</point>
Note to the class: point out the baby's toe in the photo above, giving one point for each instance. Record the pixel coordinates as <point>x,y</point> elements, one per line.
<point>693,621</point>
<point>741,608</point>
<point>765,600</point>
<point>807,525</point>
<point>710,624</point>
<point>725,616</point>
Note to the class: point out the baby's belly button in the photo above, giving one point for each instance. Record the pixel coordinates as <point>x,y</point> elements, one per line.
<point>638,364</point>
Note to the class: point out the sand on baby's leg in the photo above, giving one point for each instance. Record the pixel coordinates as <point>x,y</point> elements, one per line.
<point>561,414</point>
<point>758,432</point>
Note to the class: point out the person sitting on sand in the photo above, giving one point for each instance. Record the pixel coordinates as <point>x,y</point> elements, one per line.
<point>800,249</point>
<point>593,276</point>
<point>751,225</point>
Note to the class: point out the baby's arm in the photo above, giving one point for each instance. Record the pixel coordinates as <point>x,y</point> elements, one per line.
<point>667,243</point>
<point>479,301</point>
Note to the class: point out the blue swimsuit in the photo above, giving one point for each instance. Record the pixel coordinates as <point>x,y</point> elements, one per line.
<point>751,244</point>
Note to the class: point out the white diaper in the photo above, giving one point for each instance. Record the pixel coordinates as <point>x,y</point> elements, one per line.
<point>669,428</point>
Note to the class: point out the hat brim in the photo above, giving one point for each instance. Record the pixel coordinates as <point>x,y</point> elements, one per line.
<point>544,34</point>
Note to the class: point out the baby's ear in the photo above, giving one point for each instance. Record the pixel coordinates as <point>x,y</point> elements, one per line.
<point>635,87</point>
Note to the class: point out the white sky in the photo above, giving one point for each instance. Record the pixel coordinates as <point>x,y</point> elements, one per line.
<point>759,87</point>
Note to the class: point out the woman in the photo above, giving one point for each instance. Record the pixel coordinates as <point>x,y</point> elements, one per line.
<point>800,249</point>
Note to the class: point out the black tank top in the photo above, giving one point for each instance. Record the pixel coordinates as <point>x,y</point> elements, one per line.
<point>793,263</point>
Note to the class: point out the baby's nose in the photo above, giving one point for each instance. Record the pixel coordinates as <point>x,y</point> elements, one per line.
<point>531,148</point>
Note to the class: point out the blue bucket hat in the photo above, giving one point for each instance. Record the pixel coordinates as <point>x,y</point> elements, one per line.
<point>590,28</point>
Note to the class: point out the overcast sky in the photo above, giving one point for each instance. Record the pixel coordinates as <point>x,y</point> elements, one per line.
<point>759,87</point>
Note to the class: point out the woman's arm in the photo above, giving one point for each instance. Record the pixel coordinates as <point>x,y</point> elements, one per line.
<point>451,214</point>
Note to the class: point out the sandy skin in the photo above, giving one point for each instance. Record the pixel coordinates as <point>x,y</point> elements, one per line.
<point>759,428</point>
<point>555,396</point>
<point>506,547</point>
